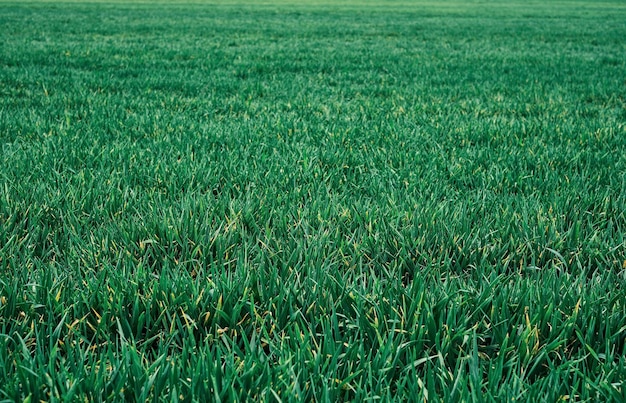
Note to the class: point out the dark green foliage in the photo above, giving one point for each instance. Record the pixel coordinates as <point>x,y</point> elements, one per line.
<point>313,202</point>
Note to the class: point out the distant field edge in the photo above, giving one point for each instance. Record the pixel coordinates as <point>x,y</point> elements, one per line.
<point>444,4</point>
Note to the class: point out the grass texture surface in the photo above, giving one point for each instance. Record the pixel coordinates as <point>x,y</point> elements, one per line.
<point>313,201</point>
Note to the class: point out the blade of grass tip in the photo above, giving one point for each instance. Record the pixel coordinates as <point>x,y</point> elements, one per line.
<point>417,363</point>
<point>56,334</point>
<point>587,346</point>
<point>474,369</point>
<point>146,387</point>
<point>559,256</point>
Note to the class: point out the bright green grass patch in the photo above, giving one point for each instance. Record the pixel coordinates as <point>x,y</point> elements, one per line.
<point>312,202</point>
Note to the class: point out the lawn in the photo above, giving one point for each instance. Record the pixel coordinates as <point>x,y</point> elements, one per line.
<point>313,201</point>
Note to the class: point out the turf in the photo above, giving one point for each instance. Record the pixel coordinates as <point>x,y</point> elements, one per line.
<point>313,201</point>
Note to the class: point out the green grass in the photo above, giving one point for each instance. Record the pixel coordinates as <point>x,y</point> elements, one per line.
<point>313,201</point>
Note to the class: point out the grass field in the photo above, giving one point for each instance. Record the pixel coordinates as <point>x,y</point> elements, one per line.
<point>313,201</point>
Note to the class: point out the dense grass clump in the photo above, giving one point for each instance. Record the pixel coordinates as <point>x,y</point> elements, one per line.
<point>323,202</point>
